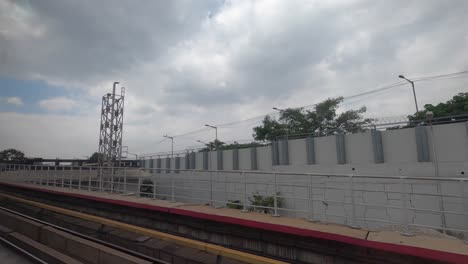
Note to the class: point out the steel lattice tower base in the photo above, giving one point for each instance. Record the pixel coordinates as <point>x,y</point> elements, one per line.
<point>110,135</point>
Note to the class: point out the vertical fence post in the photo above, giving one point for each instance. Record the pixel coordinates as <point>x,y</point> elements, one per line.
<point>72,170</point>
<point>90,174</point>
<point>42,175</point>
<point>244,203</point>
<point>48,175</point>
<point>125,181</point>
<point>154,183</point>
<point>310,201</point>
<point>325,202</point>
<point>275,198</point>
<point>404,204</point>
<point>464,199</point>
<point>79,179</point>
<point>172,188</point>
<point>211,189</point>
<point>353,204</point>
<point>112,179</point>
<point>63,176</point>
<point>139,187</point>
<point>55,176</point>
<point>100,178</point>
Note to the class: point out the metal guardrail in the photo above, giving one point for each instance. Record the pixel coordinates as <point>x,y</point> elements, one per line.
<point>359,201</point>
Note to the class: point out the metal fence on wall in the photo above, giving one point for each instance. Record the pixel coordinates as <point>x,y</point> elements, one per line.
<point>360,201</point>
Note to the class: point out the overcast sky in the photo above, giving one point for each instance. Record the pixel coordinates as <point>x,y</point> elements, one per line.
<point>188,63</point>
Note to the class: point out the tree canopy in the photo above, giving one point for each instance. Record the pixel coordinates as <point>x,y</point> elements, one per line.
<point>458,105</point>
<point>94,157</point>
<point>322,120</point>
<point>12,155</point>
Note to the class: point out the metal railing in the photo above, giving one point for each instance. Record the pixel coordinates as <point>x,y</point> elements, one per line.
<point>409,204</point>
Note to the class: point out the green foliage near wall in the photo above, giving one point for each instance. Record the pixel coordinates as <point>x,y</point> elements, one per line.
<point>147,188</point>
<point>321,121</point>
<point>266,201</point>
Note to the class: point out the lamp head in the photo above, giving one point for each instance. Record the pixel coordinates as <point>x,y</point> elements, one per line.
<point>429,115</point>
<point>401,76</point>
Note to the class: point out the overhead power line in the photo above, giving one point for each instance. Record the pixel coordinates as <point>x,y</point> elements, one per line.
<point>366,94</point>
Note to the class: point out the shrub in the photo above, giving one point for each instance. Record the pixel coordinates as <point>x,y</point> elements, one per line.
<point>147,188</point>
<point>234,204</point>
<point>267,201</point>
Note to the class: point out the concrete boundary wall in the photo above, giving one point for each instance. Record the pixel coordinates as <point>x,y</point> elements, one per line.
<point>406,151</point>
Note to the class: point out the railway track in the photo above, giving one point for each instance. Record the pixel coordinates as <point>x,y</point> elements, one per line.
<point>43,252</point>
<point>115,236</point>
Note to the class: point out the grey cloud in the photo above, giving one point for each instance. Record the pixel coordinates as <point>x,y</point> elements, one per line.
<point>89,40</point>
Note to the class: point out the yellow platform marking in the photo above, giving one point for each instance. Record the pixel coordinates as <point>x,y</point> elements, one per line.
<point>211,248</point>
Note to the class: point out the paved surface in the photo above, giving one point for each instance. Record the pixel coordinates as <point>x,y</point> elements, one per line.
<point>9,256</point>
<point>444,243</point>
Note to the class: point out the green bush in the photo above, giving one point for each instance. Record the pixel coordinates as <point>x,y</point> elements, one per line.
<point>147,188</point>
<point>234,204</point>
<point>268,201</point>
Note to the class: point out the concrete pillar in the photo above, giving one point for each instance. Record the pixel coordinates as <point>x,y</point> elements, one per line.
<point>192,160</point>
<point>422,144</point>
<point>377,146</point>
<point>177,164</point>
<point>158,165</point>
<point>205,160</point>
<point>219,159</point>
<point>235,159</point>
<point>310,149</point>
<point>284,152</point>
<point>274,153</point>
<point>187,161</point>
<point>253,158</point>
<point>340,148</point>
<point>168,165</point>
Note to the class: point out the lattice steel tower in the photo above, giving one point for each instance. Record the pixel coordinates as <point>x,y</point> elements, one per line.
<point>110,135</point>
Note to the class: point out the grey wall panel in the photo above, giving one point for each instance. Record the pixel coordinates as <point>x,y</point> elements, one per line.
<point>205,160</point>
<point>177,164</point>
<point>274,153</point>
<point>219,159</point>
<point>253,158</point>
<point>235,159</point>
<point>310,149</point>
<point>187,161</point>
<point>340,148</point>
<point>377,146</point>
<point>192,160</point>
<point>422,144</point>
<point>168,165</point>
<point>158,165</point>
<point>283,152</point>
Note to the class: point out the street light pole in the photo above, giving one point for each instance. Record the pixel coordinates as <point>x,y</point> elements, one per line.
<point>286,123</point>
<point>172,144</point>
<point>414,92</point>
<point>216,134</point>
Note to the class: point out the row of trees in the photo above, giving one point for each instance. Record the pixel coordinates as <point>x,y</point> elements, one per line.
<point>324,120</point>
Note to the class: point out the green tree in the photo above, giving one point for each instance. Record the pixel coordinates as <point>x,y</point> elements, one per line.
<point>322,120</point>
<point>95,157</point>
<point>458,105</point>
<point>213,145</point>
<point>12,155</point>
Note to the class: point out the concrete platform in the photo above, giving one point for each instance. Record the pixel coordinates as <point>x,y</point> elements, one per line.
<point>439,248</point>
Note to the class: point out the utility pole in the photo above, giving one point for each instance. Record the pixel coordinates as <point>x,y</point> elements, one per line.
<point>172,144</point>
<point>216,135</point>
<point>414,92</point>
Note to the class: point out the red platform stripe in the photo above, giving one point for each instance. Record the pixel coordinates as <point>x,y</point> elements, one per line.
<point>395,248</point>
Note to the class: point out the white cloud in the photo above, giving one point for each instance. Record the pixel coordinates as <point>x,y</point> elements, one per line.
<point>189,63</point>
<point>14,100</point>
<point>58,104</point>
